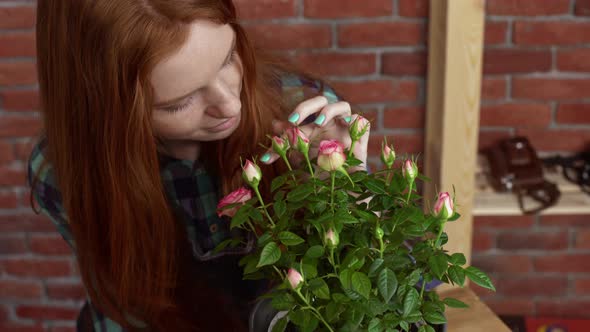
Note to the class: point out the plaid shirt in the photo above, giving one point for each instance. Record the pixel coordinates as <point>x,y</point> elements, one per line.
<point>193,193</point>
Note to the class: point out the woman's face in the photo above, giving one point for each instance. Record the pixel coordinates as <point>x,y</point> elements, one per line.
<point>197,88</point>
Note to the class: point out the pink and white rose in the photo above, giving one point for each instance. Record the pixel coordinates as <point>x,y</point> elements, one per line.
<point>238,196</point>
<point>331,155</point>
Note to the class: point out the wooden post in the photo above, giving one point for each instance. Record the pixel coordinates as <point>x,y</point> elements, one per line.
<point>452,119</point>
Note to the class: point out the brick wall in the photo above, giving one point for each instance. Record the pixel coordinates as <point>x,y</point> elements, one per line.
<point>536,82</point>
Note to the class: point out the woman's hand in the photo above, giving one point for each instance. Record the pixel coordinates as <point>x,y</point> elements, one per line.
<point>328,121</point>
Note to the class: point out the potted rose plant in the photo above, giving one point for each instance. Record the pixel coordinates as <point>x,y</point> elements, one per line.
<point>348,251</point>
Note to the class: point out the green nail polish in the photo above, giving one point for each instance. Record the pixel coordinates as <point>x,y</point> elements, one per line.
<point>294,117</point>
<point>347,119</point>
<point>265,157</point>
<point>320,119</point>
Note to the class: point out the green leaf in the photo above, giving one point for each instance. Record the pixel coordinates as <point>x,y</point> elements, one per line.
<point>309,271</point>
<point>387,282</point>
<point>300,193</point>
<point>240,217</point>
<point>333,311</point>
<point>438,264</point>
<point>410,301</point>
<point>479,278</point>
<point>255,215</point>
<point>375,186</point>
<point>454,217</point>
<point>280,208</point>
<point>458,259</point>
<point>264,238</point>
<point>375,325</point>
<point>290,239</point>
<point>414,277</point>
<point>343,216</point>
<point>222,245</point>
<point>414,316</point>
<point>375,266</point>
<point>340,298</point>
<point>457,275</point>
<point>434,317</point>
<point>277,182</point>
<point>269,255</point>
<point>454,303</point>
<point>319,287</point>
<point>361,284</point>
<point>283,301</point>
<point>346,278</point>
<point>316,251</point>
<point>404,325</point>
<point>429,328</point>
<point>280,325</point>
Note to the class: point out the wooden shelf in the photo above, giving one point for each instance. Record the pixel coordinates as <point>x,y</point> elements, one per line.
<point>478,317</point>
<point>488,202</point>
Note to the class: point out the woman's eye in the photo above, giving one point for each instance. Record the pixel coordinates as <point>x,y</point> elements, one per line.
<point>230,60</point>
<point>178,108</point>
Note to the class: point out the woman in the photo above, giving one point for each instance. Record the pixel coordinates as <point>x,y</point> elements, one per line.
<point>148,106</point>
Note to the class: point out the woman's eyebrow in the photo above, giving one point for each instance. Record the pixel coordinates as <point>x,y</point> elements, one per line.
<point>176,100</point>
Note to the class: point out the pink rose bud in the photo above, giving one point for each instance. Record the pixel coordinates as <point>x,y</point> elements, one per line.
<point>387,155</point>
<point>331,155</point>
<point>443,208</point>
<point>251,173</point>
<point>280,145</point>
<point>240,195</point>
<point>358,128</point>
<point>295,278</point>
<point>331,239</point>
<point>410,170</point>
<point>298,139</point>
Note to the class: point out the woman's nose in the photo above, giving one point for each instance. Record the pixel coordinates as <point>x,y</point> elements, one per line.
<point>222,102</point>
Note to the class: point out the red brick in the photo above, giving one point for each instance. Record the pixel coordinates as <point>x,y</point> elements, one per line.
<point>575,220</point>
<point>49,245</point>
<point>573,114</point>
<point>531,240</point>
<point>12,289</point>
<point>6,152</point>
<point>516,115</point>
<point>12,177</point>
<point>264,9</point>
<point>505,61</point>
<point>407,143</point>
<point>347,8</point>
<point>582,286</point>
<point>372,34</point>
<point>551,33</point>
<point>413,8</point>
<point>563,263</point>
<point>550,89</point>
<point>531,286</point>
<point>511,306</point>
<point>503,263</point>
<point>12,244</point>
<point>3,314</point>
<point>16,73</point>
<point>482,241</point>
<point>378,91</point>
<point>19,17</point>
<point>564,308</point>
<point>62,329</point>
<point>28,267</point>
<point>560,139</point>
<point>291,36</point>
<point>404,63</point>
<point>20,100</point>
<point>495,32</point>
<point>17,44</point>
<point>583,238</point>
<point>46,312</point>
<point>23,149</point>
<point>503,221</point>
<point>8,200</point>
<point>488,138</point>
<point>25,223</point>
<point>493,88</point>
<point>338,63</point>
<point>537,7</point>
<point>582,7</point>
<point>575,60</point>
<point>19,126</point>
<point>16,327</point>
<point>404,117</point>
<point>66,291</point>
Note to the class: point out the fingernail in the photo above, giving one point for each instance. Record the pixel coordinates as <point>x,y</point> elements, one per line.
<point>265,157</point>
<point>294,117</point>
<point>347,119</point>
<point>320,119</point>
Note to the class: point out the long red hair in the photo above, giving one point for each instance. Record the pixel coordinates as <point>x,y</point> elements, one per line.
<point>94,60</point>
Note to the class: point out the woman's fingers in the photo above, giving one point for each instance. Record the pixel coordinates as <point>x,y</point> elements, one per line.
<point>307,108</point>
<point>340,110</point>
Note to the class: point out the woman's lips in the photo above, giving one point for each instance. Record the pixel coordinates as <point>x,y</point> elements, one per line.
<point>224,125</point>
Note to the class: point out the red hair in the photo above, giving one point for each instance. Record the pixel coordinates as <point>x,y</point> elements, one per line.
<point>94,60</point>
